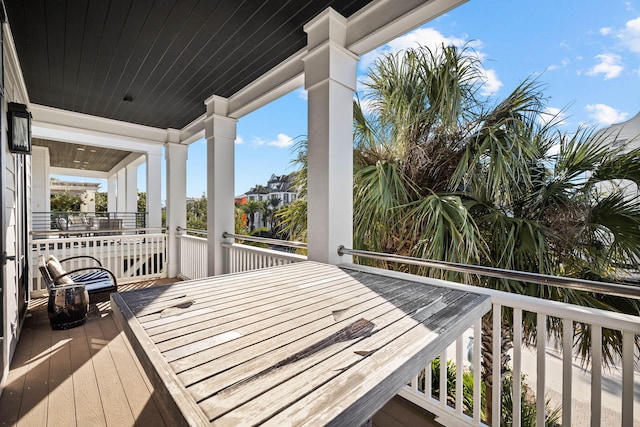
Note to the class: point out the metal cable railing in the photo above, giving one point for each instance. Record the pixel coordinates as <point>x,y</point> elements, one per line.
<point>616,289</point>
<point>191,230</point>
<point>288,243</point>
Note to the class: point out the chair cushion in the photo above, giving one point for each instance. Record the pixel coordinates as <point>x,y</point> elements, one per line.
<point>56,270</point>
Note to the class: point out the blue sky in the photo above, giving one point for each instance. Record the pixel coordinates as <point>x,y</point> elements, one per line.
<point>585,53</point>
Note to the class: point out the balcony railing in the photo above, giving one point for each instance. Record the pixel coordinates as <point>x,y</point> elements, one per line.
<point>239,257</point>
<point>62,224</point>
<point>130,257</point>
<point>551,362</point>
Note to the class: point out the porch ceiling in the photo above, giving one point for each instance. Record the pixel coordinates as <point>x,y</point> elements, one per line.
<point>81,157</point>
<point>154,62</point>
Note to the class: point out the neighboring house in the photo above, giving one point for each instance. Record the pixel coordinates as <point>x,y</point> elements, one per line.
<point>279,187</point>
<point>620,134</point>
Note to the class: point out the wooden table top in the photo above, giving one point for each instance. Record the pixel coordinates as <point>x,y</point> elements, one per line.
<point>301,344</point>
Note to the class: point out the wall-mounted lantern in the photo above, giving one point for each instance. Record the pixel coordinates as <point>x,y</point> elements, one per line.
<point>19,128</point>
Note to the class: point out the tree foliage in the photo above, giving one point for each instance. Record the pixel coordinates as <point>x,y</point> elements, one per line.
<point>441,172</point>
<point>66,202</point>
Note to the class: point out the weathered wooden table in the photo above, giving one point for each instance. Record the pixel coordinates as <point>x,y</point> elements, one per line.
<point>304,343</point>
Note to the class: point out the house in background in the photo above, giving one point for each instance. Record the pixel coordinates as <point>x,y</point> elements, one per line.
<point>86,190</point>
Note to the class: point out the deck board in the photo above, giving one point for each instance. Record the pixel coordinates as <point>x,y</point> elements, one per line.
<point>64,378</point>
<point>304,343</point>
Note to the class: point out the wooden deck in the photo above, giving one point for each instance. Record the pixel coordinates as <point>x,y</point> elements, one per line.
<point>305,343</point>
<point>82,376</point>
<point>90,376</point>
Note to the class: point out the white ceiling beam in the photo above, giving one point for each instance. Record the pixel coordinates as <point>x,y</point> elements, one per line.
<point>83,173</point>
<point>74,135</point>
<point>100,125</point>
<point>133,159</point>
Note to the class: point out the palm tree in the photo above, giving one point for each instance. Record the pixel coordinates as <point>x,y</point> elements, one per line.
<point>442,174</point>
<point>251,208</point>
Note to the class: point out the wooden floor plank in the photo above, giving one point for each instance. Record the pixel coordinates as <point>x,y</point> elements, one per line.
<point>137,390</point>
<point>73,396</point>
<point>89,410</point>
<point>15,385</point>
<point>33,408</point>
<point>61,402</point>
<point>111,390</point>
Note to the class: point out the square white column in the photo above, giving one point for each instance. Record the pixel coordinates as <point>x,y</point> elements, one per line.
<point>330,80</point>
<point>154,189</point>
<point>220,132</point>
<point>121,200</point>
<point>112,193</point>
<point>176,160</point>
<point>131,188</point>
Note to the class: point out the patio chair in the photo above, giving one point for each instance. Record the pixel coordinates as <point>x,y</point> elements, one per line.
<point>99,281</point>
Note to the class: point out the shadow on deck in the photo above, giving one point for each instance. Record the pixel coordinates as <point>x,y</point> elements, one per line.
<point>90,375</point>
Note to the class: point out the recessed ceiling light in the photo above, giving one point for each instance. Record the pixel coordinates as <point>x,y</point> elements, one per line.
<point>76,161</point>
<point>80,149</point>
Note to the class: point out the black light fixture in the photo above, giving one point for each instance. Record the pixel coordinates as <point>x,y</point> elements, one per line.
<point>19,128</point>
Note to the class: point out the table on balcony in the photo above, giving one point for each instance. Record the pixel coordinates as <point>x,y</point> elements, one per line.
<point>304,343</point>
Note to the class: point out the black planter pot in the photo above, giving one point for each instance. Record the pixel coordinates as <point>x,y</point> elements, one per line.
<point>68,306</point>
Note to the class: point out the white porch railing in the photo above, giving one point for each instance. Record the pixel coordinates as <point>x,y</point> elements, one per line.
<point>244,257</point>
<point>193,257</point>
<point>130,257</point>
<point>239,257</point>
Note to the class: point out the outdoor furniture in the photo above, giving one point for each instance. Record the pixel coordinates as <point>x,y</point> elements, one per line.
<point>67,306</point>
<point>99,281</point>
<point>75,225</point>
<point>299,344</point>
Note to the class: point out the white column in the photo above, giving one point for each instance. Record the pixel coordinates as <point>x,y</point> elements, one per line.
<point>220,131</point>
<point>154,189</point>
<point>112,193</point>
<point>176,160</point>
<point>40,181</point>
<point>330,80</point>
<point>121,203</point>
<point>131,188</point>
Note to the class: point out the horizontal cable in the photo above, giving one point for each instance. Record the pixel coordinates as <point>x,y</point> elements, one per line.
<point>616,289</point>
<point>266,240</point>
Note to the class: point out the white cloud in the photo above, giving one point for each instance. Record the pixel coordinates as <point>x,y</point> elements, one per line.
<point>553,114</point>
<point>433,39</point>
<point>302,93</point>
<point>239,140</point>
<point>492,83</point>
<point>629,36</point>
<point>428,37</point>
<point>366,105</point>
<point>281,141</point>
<point>605,31</point>
<point>609,66</point>
<point>562,64</point>
<point>605,115</point>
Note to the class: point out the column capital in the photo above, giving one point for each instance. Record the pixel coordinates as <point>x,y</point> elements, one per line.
<point>328,25</point>
<point>327,57</point>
